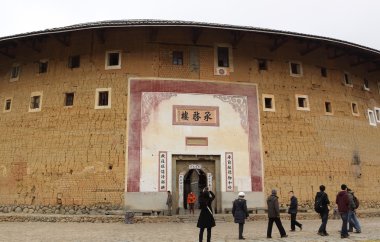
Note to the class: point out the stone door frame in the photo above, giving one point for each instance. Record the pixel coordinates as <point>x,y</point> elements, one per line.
<point>215,169</point>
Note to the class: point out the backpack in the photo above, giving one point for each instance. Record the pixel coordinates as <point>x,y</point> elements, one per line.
<point>356,201</point>
<point>318,206</point>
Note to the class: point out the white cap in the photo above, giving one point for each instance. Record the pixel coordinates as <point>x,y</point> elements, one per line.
<point>241,194</point>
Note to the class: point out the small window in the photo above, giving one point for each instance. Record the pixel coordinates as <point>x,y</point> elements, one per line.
<point>35,102</point>
<point>43,66</point>
<point>371,118</point>
<point>295,68</point>
<point>263,64</point>
<point>268,103</point>
<point>177,58</point>
<point>347,79</point>
<point>354,109</point>
<point>8,105</point>
<point>69,99</point>
<point>223,57</point>
<point>323,72</point>
<point>302,102</point>
<point>74,61</point>
<point>15,72</point>
<point>113,60</point>
<point>366,84</point>
<point>103,98</point>
<point>328,107</point>
<point>377,114</point>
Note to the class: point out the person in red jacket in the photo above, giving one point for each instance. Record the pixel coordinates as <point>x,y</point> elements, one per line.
<point>191,199</point>
<point>343,207</point>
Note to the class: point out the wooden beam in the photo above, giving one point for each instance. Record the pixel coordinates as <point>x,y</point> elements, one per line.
<point>375,69</point>
<point>278,42</point>
<point>64,39</point>
<point>337,53</point>
<point>101,35</point>
<point>32,44</point>
<point>310,47</point>
<point>237,37</point>
<point>6,53</point>
<point>195,34</point>
<point>153,32</point>
<point>360,61</point>
<point>5,49</point>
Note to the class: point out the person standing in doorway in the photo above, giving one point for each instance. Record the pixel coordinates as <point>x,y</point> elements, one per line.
<point>274,215</point>
<point>240,212</point>
<point>343,207</point>
<point>321,206</point>
<point>293,209</point>
<point>206,218</point>
<point>169,203</point>
<point>191,199</point>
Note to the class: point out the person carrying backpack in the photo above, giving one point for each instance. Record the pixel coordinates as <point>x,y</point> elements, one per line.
<point>353,221</point>
<point>321,206</point>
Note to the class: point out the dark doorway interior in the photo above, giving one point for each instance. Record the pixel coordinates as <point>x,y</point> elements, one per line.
<point>194,181</point>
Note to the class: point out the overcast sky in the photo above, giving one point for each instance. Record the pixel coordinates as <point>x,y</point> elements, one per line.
<point>355,21</point>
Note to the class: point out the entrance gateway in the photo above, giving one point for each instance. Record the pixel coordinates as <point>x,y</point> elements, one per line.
<point>184,135</point>
<point>193,173</point>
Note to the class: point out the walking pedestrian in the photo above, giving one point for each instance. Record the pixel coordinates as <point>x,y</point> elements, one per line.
<point>293,209</point>
<point>240,212</point>
<point>206,218</point>
<point>321,206</point>
<point>343,208</point>
<point>191,199</point>
<point>353,221</point>
<point>274,215</point>
<point>169,203</point>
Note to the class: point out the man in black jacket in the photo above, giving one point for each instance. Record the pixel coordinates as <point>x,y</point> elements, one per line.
<point>240,212</point>
<point>323,199</point>
<point>274,215</point>
<point>293,209</point>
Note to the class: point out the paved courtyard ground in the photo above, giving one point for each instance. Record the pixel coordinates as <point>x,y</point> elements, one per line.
<point>176,232</point>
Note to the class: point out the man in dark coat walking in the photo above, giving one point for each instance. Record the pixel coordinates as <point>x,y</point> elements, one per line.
<point>343,207</point>
<point>324,201</point>
<point>293,209</point>
<point>274,215</point>
<point>240,212</point>
<point>206,217</point>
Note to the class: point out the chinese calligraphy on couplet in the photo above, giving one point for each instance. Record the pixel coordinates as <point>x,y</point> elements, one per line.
<point>162,169</point>
<point>229,172</point>
<point>196,115</point>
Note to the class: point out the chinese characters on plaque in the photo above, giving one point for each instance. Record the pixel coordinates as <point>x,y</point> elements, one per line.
<point>195,115</point>
<point>229,172</point>
<point>163,161</point>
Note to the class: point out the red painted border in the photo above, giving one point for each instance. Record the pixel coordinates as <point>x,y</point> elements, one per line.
<point>134,133</point>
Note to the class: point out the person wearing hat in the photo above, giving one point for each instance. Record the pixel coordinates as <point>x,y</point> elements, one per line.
<point>274,215</point>
<point>240,212</point>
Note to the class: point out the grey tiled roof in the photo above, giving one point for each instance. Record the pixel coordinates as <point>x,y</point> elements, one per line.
<point>162,23</point>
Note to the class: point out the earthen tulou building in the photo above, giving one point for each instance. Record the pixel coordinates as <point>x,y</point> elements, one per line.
<point>117,113</point>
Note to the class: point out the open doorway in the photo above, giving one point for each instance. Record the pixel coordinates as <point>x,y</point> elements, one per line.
<point>194,181</point>
<point>193,173</point>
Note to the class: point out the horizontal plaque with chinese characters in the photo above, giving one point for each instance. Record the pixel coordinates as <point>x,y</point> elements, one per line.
<point>195,115</point>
